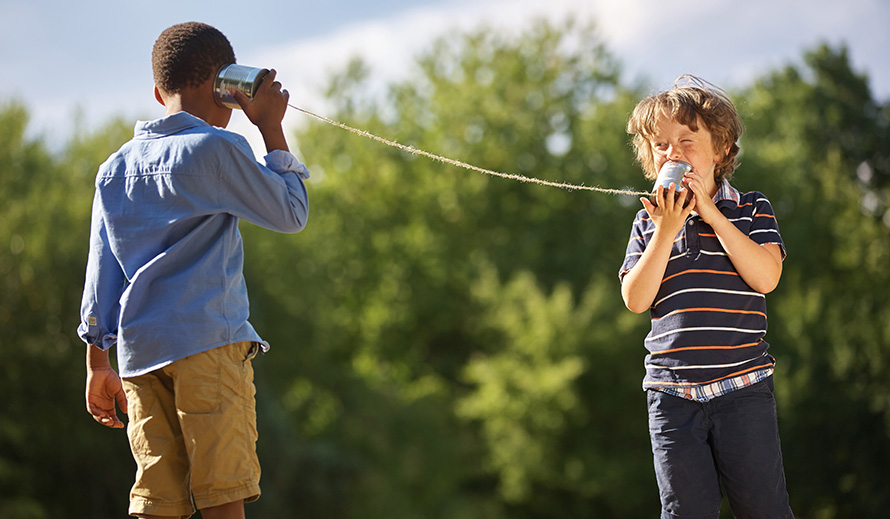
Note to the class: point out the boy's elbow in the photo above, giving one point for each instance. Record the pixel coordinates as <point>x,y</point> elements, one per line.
<point>767,286</point>
<point>634,304</point>
<point>766,282</point>
<point>766,279</point>
<point>295,227</point>
<point>636,308</point>
<point>298,218</point>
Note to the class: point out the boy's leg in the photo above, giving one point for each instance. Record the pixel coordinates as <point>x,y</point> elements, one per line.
<point>233,510</point>
<point>162,471</point>
<point>215,398</point>
<point>684,464</point>
<point>749,454</point>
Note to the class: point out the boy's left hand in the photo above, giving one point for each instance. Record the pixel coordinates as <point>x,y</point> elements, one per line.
<point>703,199</point>
<point>268,105</point>
<point>266,110</point>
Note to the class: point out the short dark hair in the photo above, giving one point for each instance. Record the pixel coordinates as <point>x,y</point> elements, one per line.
<point>187,54</point>
<point>687,104</point>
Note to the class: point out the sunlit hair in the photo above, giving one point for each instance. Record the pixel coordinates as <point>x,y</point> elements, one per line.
<point>187,54</point>
<point>691,100</point>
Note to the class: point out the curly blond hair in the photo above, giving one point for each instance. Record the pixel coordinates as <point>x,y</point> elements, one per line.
<point>690,101</point>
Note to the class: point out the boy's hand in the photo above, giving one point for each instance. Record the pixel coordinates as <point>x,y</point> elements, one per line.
<point>641,284</point>
<point>103,389</point>
<point>266,110</point>
<point>704,205</point>
<point>668,215</point>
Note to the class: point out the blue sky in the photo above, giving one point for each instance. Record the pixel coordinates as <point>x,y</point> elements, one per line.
<point>91,59</point>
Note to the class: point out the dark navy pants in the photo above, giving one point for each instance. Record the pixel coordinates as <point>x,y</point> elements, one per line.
<point>733,441</point>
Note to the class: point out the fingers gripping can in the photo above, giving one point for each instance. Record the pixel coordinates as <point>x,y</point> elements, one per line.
<point>236,77</point>
<point>672,172</point>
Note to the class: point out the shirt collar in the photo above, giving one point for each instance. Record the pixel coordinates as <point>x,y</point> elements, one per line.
<point>726,192</point>
<point>168,125</point>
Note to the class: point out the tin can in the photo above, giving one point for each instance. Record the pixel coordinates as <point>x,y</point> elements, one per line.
<point>236,77</point>
<point>672,172</point>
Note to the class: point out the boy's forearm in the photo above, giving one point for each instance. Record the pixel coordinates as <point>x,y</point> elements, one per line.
<point>273,137</point>
<point>641,284</point>
<point>760,266</point>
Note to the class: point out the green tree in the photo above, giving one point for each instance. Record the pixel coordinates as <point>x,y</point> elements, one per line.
<point>52,459</point>
<point>452,345</point>
<point>817,144</point>
<point>393,291</point>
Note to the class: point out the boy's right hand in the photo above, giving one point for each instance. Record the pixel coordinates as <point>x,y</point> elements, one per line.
<point>668,213</point>
<point>104,389</point>
<point>266,110</point>
<point>641,284</point>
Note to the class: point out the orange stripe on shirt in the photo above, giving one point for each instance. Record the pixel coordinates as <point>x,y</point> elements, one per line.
<point>724,310</point>
<point>691,348</point>
<point>700,271</point>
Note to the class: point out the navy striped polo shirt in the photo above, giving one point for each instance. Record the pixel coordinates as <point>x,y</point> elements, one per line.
<point>707,323</point>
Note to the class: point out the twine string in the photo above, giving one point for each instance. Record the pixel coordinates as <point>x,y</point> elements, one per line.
<point>416,151</point>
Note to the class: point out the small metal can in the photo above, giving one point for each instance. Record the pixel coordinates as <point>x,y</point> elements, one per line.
<point>672,172</point>
<point>236,77</point>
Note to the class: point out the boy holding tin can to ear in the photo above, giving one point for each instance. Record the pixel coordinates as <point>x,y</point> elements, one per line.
<point>702,266</point>
<point>164,281</point>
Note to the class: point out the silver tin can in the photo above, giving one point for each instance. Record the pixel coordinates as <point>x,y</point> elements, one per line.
<point>672,172</point>
<point>236,77</point>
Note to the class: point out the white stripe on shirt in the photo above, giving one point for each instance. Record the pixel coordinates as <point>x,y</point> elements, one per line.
<point>703,329</point>
<point>715,290</point>
<point>704,366</point>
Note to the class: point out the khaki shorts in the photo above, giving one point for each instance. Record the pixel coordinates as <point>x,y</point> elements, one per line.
<point>192,430</point>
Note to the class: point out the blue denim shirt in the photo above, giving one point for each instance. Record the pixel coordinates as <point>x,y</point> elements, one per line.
<point>164,274</point>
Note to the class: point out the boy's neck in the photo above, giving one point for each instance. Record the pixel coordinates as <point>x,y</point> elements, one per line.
<point>198,101</point>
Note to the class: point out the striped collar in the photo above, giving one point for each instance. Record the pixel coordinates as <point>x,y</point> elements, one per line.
<point>726,192</point>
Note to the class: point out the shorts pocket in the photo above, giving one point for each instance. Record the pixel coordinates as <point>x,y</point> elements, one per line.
<point>198,384</point>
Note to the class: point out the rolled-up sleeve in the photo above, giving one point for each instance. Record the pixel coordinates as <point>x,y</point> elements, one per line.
<point>104,284</point>
<point>281,161</point>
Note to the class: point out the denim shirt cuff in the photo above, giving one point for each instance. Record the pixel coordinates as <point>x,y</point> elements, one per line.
<point>281,161</point>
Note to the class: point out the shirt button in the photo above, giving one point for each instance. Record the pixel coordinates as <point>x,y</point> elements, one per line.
<point>691,223</point>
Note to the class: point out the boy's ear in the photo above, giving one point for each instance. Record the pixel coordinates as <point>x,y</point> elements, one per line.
<point>159,97</point>
<point>721,154</point>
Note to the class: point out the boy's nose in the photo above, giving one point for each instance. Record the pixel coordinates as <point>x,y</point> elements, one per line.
<point>673,153</point>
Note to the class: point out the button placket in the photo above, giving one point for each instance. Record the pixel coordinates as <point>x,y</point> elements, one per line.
<point>693,241</point>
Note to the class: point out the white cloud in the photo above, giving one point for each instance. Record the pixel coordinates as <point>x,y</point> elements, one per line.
<point>390,46</point>
<point>726,43</point>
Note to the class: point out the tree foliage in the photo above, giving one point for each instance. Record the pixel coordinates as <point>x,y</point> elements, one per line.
<point>452,345</point>
<point>818,139</point>
<point>44,442</point>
